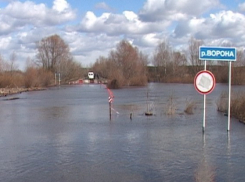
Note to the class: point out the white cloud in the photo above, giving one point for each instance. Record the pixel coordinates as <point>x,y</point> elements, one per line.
<point>103,6</point>
<point>18,15</point>
<point>155,10</point>
<point>228,24</point>
<point>118,24</point>
<point>224,25</point>
<point>86,48</point>
<point>131,16</point>
<point>4,42</point>
<point>61,6</point>
<point>147,40</point>
<point>242,7</point>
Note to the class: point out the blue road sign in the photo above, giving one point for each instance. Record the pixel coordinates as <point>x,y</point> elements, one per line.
<point>217,53</point>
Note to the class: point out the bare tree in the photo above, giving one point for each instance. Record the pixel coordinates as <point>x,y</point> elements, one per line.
<point>240,58</point>
<point>12,65</point>
<point>126,56</point>
<point>179,63</point>
<point>131,62</point>
<point>238,68</point>
<point>163,60</point>
<point>54,55</point>
<point>51,51</point>
<point>100,67</point>
<point>1,63</point>
<point>193,54</point>
<point>125,65</point>
<point>70,70</point>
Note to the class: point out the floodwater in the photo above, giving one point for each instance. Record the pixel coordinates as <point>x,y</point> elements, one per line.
<point>65,134</point>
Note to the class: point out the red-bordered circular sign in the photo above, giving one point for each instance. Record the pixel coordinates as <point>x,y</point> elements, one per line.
<point>204,82</point>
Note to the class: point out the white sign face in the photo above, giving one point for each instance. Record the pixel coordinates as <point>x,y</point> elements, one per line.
<point>204,82</point>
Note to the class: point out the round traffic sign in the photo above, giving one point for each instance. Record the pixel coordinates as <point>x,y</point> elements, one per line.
<point>204,82</point>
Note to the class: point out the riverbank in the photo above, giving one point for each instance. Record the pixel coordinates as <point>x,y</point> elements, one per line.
<point>13,91</point>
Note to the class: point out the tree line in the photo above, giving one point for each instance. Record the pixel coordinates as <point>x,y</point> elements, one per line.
<point>53,57</point>
<point>125,65</point>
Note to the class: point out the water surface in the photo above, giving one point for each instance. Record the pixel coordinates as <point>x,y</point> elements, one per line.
<point>65,134</point>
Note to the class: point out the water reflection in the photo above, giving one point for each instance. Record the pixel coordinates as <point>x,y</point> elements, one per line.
<point>52,113</point>
<point>205,171</point>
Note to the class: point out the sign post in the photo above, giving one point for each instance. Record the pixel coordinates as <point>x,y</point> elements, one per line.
<point>204,83</point>
<point>220,54</point>
<point>229,100</point>
<point>204,103</point>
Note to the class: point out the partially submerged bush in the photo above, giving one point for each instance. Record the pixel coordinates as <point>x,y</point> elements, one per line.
<point>171,107</point>
<point>237,105</point>
<point>190,106</point>
<point>222,102</point>
<point>114,84</point>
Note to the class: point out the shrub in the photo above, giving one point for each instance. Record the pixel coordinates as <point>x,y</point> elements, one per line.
<point>114,84</point>
<point>45,78</point>
<point>237,105</point>
<point>222,102</point>
<point>37,77</point>
<point>11,80</point>
<point>171,106</point>
<point>190,106</point>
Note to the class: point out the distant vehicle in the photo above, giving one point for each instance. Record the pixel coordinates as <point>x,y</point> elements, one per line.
<point>91,75</point>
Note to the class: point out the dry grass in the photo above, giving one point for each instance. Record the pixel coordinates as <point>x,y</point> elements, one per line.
<point>237,105</point>
<point>17,81</point>
<point>222,102</point>
<point>37,78</point>
<point>171,106</point>
<point>190,106</point>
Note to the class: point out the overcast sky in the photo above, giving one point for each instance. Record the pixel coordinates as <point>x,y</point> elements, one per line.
<point>92,28</point>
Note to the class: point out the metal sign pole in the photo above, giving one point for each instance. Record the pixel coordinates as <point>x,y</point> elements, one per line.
<point>204,103</point>
<point>220,54</point>
<point>204,113</point>
<point>229,99</point>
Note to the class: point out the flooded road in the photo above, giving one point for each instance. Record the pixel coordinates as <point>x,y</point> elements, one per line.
<point>65,134</point>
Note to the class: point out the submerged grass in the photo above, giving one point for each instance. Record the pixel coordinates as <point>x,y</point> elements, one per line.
<point>190,106</point>
<point>170,108</point>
